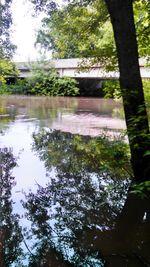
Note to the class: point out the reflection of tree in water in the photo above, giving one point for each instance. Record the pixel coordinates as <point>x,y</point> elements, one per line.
<point>75,154</point>
<point>10,232</point>
<point>7,115</point>
<point>83,217</point>
<point>85,196</point>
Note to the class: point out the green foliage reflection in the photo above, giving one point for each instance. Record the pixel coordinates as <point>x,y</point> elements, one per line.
<point>84,216</point>
<point>75,153</point>
<point>10,231</point>
<point>85,195</point>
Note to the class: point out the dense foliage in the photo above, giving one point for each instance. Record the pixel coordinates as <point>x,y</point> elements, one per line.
<point>75,31</point>
<point>142,24</point>
<point>7,68</point>
<point>50,84</point>
<point>85,30</point>
<point>43,82</point>
<point>111,89</point>
<point>6,46</point>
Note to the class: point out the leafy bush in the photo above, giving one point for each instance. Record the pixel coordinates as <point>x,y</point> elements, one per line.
<point>142,189</point>
<point>111,89</point>
<point>18,88</point>
<point>7,68</point>
<point>52,85</point>
<point>146,85</point>
<point>43,82</point>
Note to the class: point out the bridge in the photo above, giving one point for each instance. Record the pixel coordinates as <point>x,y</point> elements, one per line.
<point>72,68</point>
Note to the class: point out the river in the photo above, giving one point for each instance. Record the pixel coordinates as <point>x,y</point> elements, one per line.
<point>65,175</point>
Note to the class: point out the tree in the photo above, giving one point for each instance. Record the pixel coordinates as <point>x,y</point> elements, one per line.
<point>65,31</point>
<point>121,14</point>
<point>7,68</point>
<point>6,46</point>
<point>122,19</point>
<point>142,24</point>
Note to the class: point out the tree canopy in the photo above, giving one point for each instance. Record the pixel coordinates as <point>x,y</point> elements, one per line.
<point>85,31</point>
<point>6,46</point>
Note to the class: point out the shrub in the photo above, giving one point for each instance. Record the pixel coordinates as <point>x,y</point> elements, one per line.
<point>11,89</point>
<point>146,85</point>
<point>7,69</point>
<point>111,89</point>
<point>45,81</point>
<point>48,84</point>
<point>52,85</point>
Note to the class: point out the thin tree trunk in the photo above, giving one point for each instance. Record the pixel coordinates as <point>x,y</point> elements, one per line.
<point>121,14</point>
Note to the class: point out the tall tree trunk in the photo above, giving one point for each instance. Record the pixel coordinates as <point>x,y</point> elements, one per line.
<point>121,14</point>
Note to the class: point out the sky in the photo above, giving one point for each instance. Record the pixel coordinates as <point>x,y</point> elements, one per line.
<point>24,31</point>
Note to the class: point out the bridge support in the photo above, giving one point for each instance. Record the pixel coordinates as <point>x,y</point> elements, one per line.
<point>90,87</point>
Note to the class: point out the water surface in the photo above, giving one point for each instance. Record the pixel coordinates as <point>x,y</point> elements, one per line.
<point>68,182</point>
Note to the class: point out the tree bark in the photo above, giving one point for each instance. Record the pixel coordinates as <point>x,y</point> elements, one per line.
<point>121,14</point>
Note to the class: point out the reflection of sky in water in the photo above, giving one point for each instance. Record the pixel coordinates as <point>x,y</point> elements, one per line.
<point>30,169</point>
<point>18,134</point>
<point>29,172</point>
